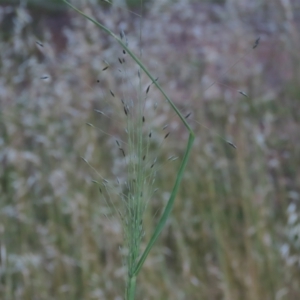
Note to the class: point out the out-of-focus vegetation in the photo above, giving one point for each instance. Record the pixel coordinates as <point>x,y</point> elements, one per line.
<point>235,228</point>
<point>45,6</point>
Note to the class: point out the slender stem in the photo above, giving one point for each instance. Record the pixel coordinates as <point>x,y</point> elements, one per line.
<point>131,288</point>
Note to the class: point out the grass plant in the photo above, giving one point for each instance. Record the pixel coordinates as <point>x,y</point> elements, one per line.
<point>234,228</point>
<point>138,181</point>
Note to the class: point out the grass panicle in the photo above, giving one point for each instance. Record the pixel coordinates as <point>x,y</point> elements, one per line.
<point>138,188</point>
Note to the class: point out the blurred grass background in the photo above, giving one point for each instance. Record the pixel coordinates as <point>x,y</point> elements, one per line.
<point>234,232</point>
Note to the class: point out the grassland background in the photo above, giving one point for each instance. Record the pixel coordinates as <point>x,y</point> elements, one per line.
<point>234,232</point>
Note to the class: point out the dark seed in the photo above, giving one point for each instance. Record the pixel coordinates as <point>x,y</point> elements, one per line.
<point>256,43</point>
<point>231,144</point>
<point>188,115</point>
<point>123,152</point>
<point>244,94</point>
<point>153,164</point>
